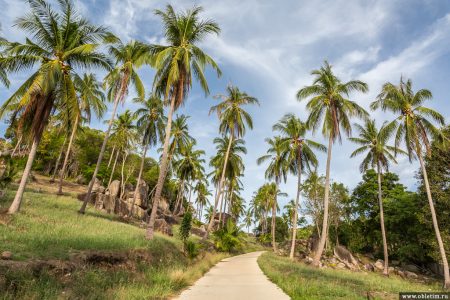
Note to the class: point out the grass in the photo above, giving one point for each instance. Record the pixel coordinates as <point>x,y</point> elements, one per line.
<point>49,227</point>
<point>301,281</point>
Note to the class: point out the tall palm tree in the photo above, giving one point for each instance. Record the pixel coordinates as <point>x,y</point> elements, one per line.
<point>379,155</point>
<point>128,58</point>
<point>248,219</point>
<point>91,100</point>
<point>300,155</point>
<point>179,136</point>
<point>414,128</point>
<point>201,189</point>
<point>329,104</point>
<point>150,120</point>
<point>276,170</point>
<point>233,121</point>
<point>175,66</point>
<point>51,86</point>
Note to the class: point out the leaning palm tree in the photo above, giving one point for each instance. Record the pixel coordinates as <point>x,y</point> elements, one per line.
<point>233,121</point>
<point>150,121</point>
<point>329,104</point>
<point>128,58</point>
<point>300,155</point>
<point>379,156</point>
<point>414,128</point>
<point>51,86</point>
<point>277,170</point>
<point>91,99</point>
<point>175,66</point>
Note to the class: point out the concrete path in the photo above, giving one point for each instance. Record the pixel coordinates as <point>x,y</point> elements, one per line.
<point>237,277</point>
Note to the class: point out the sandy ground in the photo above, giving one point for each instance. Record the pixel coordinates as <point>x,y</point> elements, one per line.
<point>238,277</point>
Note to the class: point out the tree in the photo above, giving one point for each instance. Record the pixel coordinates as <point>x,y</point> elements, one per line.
<point>128,58</point>
<point>233,121</point>
<point>175,64</point>
<point>150,121</point>
<point>313,190</point>
<point>329,104</point>
<point>414,128</point>
<point>51,86</point>
<point>201,189</point>
<point>379,155</point>
<point>276,170</point>
<point>91,100</point>
<point>300,155</point>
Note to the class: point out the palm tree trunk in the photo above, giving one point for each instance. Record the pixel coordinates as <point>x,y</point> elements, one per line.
<point>111,156</point>
<point>122,178</point>
<point>274,215</point>
<point>221,207</point>
<point>177,207</point>
<point>383,231</point>
<point>162,172</point>
<point>66,158</point>
<point>58,160</point>
<point>141,169</point>
<point>17,146</point>
<point>222,179</point>
<point>297,201</point>
<point>435,225</point>
<point>102,151</point>
<point>323,238</point>
<point>15,205</point>
<point>113,169</point>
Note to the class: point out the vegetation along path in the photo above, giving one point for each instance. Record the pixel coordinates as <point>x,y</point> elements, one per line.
<point>237,277</point>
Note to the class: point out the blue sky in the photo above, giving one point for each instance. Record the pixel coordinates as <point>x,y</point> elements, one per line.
<point>268,49</point>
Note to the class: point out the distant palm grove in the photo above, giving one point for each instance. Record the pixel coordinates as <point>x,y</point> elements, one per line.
<point>60,90</point>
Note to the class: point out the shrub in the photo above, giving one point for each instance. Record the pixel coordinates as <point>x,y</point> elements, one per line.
<point>229,238</point>
<point>191,249</point>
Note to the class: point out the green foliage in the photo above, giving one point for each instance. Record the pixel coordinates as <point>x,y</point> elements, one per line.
<point>191,248</point>
<point>281,230</point>
<point>185,226</point>
<point>229,238</point>
<point>7,171</point>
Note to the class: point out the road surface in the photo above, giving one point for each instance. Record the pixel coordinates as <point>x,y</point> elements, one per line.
<point>237,277</point>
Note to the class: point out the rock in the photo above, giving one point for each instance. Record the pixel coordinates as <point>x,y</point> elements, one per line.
<point>114,188</point>
<point>308,260</point>
<point>411,268</point>
<point>345,256</point>
<point>92,199</point>
<point>401,273</point>
<point>340,266</point>
<point>369,267</point>
<point>162,226</point>
<point>379,264</point>
<point>80,179</point>
<point>109,202</point>
<point>391,270</point>
<point>142,194</point>
<point>198,231</point>
<point>411,275</point>
<point>97,185</point>
<point>138,212</point>
<point>395,263</point>
<point>163,205</point>
<point>99,201</point>
<point>6,255</point>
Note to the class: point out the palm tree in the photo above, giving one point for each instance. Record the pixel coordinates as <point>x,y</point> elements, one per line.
<point>276,170</point>
<point>379,156</point>
<point>91,100</point>
<point>314,189</point>
<point>329,103</point>
<point>180,137</point>
<point>150,120</point>
<point>51,86</point>
<point>175,64</point>
<point>301,157</point>
<point>3,76</point>
<point>414,128</point>
<point>248,219</point>
<point>128,58</point>
<point>201,189</point>
<point>233,121</point>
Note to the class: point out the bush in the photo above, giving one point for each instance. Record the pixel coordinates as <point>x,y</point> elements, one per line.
<point>191,249</point>
<point>229,238</point>
<point>185,226</point>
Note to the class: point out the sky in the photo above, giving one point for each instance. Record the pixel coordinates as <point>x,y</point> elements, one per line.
<point>268,49</point>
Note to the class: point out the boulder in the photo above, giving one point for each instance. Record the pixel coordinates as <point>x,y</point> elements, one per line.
<point>369,267</point>
<point>109,202</point>
<point>411,275</point>
<point>97,185</point>
<point>163,205</point>
<point>138,212</point>
<point>391,270</point>
<point>114,188</point>
<point>345,256</point>
<point>142,194</point>
<point>162,226</point>
<point>91,200</point>
<point>198,231</point>
<point>395,263</point>
<point>80,179</point>
<point>379,264</point>
<point>340,266</point>
<point>6,255</point>
<point>401,273</point>
<point>99,202</point>
<point>411,268</point>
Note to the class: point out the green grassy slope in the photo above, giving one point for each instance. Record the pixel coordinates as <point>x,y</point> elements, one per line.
<point>49,227</point>
<point>301,281</point>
